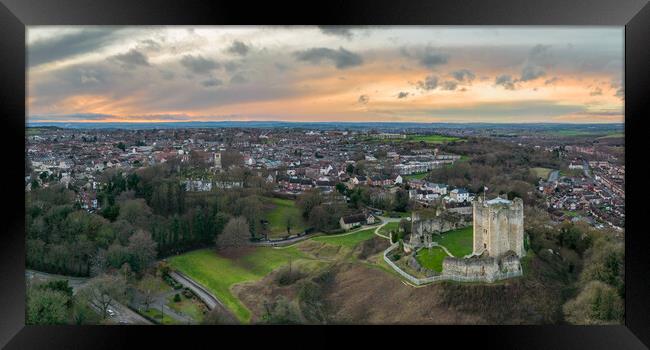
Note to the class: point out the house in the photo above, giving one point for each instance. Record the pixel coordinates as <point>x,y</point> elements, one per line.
<point>399,179</point>
<point>352,221</point>
<point>459,195</point>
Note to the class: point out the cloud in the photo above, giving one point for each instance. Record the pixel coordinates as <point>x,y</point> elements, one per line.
<point>281,66</point>
<point>198,64</point>
<point>551,81</point>
<point>431,59</point>
<point>426,57</point>
<point>238,79</point>
<point>429,83</point>
<point>239,48</point>
<point>212,82</point>
<point>131,59</point>
<point>464,75</point>
<point>449,85</point>
<point>402,94</point>
<point>341,58</point>
<point>231,66</point>
<point>70,45</point>
<point>596,92</point>
<point>364,99</point>
<point>531,72</point>
<point>506,81</point>
<point>341,31</point>
<point>620,93</point>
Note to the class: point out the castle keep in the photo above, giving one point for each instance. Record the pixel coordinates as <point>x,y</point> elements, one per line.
<point>498,226</point>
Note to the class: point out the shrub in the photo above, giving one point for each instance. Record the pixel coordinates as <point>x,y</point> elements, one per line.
<point>177,298</point>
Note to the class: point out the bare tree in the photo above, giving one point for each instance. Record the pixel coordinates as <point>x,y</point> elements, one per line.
<point>148,286</point>
<point>235,234</point>
<point>143,249</point>
<point>103,290</point>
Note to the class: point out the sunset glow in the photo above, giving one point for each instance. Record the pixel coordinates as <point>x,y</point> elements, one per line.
<point>400,74</point>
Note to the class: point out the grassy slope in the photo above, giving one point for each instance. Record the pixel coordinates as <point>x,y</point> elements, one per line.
<point>391,226</point>
<point>541,172</point>
<point>458,242</point>
<point>431,258</point>
<point>276,216</point>
<point>218,273</point>
<point>347,240</point>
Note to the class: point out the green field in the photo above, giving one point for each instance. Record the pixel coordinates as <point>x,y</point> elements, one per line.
<point>277,217</point>
<point>432,138</point>
<point>431,258</point>
<point>419,176</point>
<point>458,242</point>
<point>391,226</point>
<point>218,273</point>
<point>347,239</point>
<point>541,172</point>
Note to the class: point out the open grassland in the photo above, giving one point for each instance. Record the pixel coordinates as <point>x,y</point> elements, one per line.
<point>347,239</point>
<point>431,258</point>
<point>541,172</point>
<point>432,138</point>
<point>282,210</point>
<point>219,274</point>
<point>458,242</point>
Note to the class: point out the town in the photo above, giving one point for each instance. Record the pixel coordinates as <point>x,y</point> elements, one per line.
<point>590,188</point>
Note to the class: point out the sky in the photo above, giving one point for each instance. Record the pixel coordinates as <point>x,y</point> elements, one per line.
<point>325,73</point>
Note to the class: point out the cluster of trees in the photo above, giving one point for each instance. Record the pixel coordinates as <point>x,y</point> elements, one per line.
<point>502,167</point>
<point>592,262</point>
<point>322,211</point>
<point>144,214</point>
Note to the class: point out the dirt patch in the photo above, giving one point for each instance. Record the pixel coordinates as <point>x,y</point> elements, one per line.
<point>322,250</point>
<point>255,294</point>
<point>364,295</point>
<point>371,247</point>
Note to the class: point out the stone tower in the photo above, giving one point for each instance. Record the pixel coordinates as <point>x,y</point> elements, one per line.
<point>217,161</point>
<point>498,226</point>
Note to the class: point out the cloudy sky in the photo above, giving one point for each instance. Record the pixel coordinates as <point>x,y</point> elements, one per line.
<point>412,73</point>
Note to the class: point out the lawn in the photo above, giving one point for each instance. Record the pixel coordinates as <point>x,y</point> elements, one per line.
<point>218,273</point>
<point>419,176</point>
<point>458,242</point>
<point>189,307</point>
<point>277,217</point>
<point>541,172</point>
<point>431,258</point>
<point>157,315</point>
<point>391,226</point>
<point>347,239</point>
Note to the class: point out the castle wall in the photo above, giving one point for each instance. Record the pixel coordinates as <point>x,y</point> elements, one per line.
<point>481,269</point>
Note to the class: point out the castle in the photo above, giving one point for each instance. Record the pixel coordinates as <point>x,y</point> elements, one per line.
<point>497,246</point>
<point>498,226</point>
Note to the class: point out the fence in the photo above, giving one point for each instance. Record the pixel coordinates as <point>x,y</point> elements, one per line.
<point>445,277</point>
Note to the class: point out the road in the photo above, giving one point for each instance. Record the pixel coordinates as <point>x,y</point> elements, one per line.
<point>123,315</point>
<point>204,294</point>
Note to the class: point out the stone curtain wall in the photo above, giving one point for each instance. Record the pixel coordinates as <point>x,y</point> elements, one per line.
<point>465,270</point>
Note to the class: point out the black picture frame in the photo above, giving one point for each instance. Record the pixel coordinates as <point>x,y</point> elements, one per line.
<point>16,14</point>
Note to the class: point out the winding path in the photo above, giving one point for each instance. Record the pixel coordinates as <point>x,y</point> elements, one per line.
<point>204,294</point>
